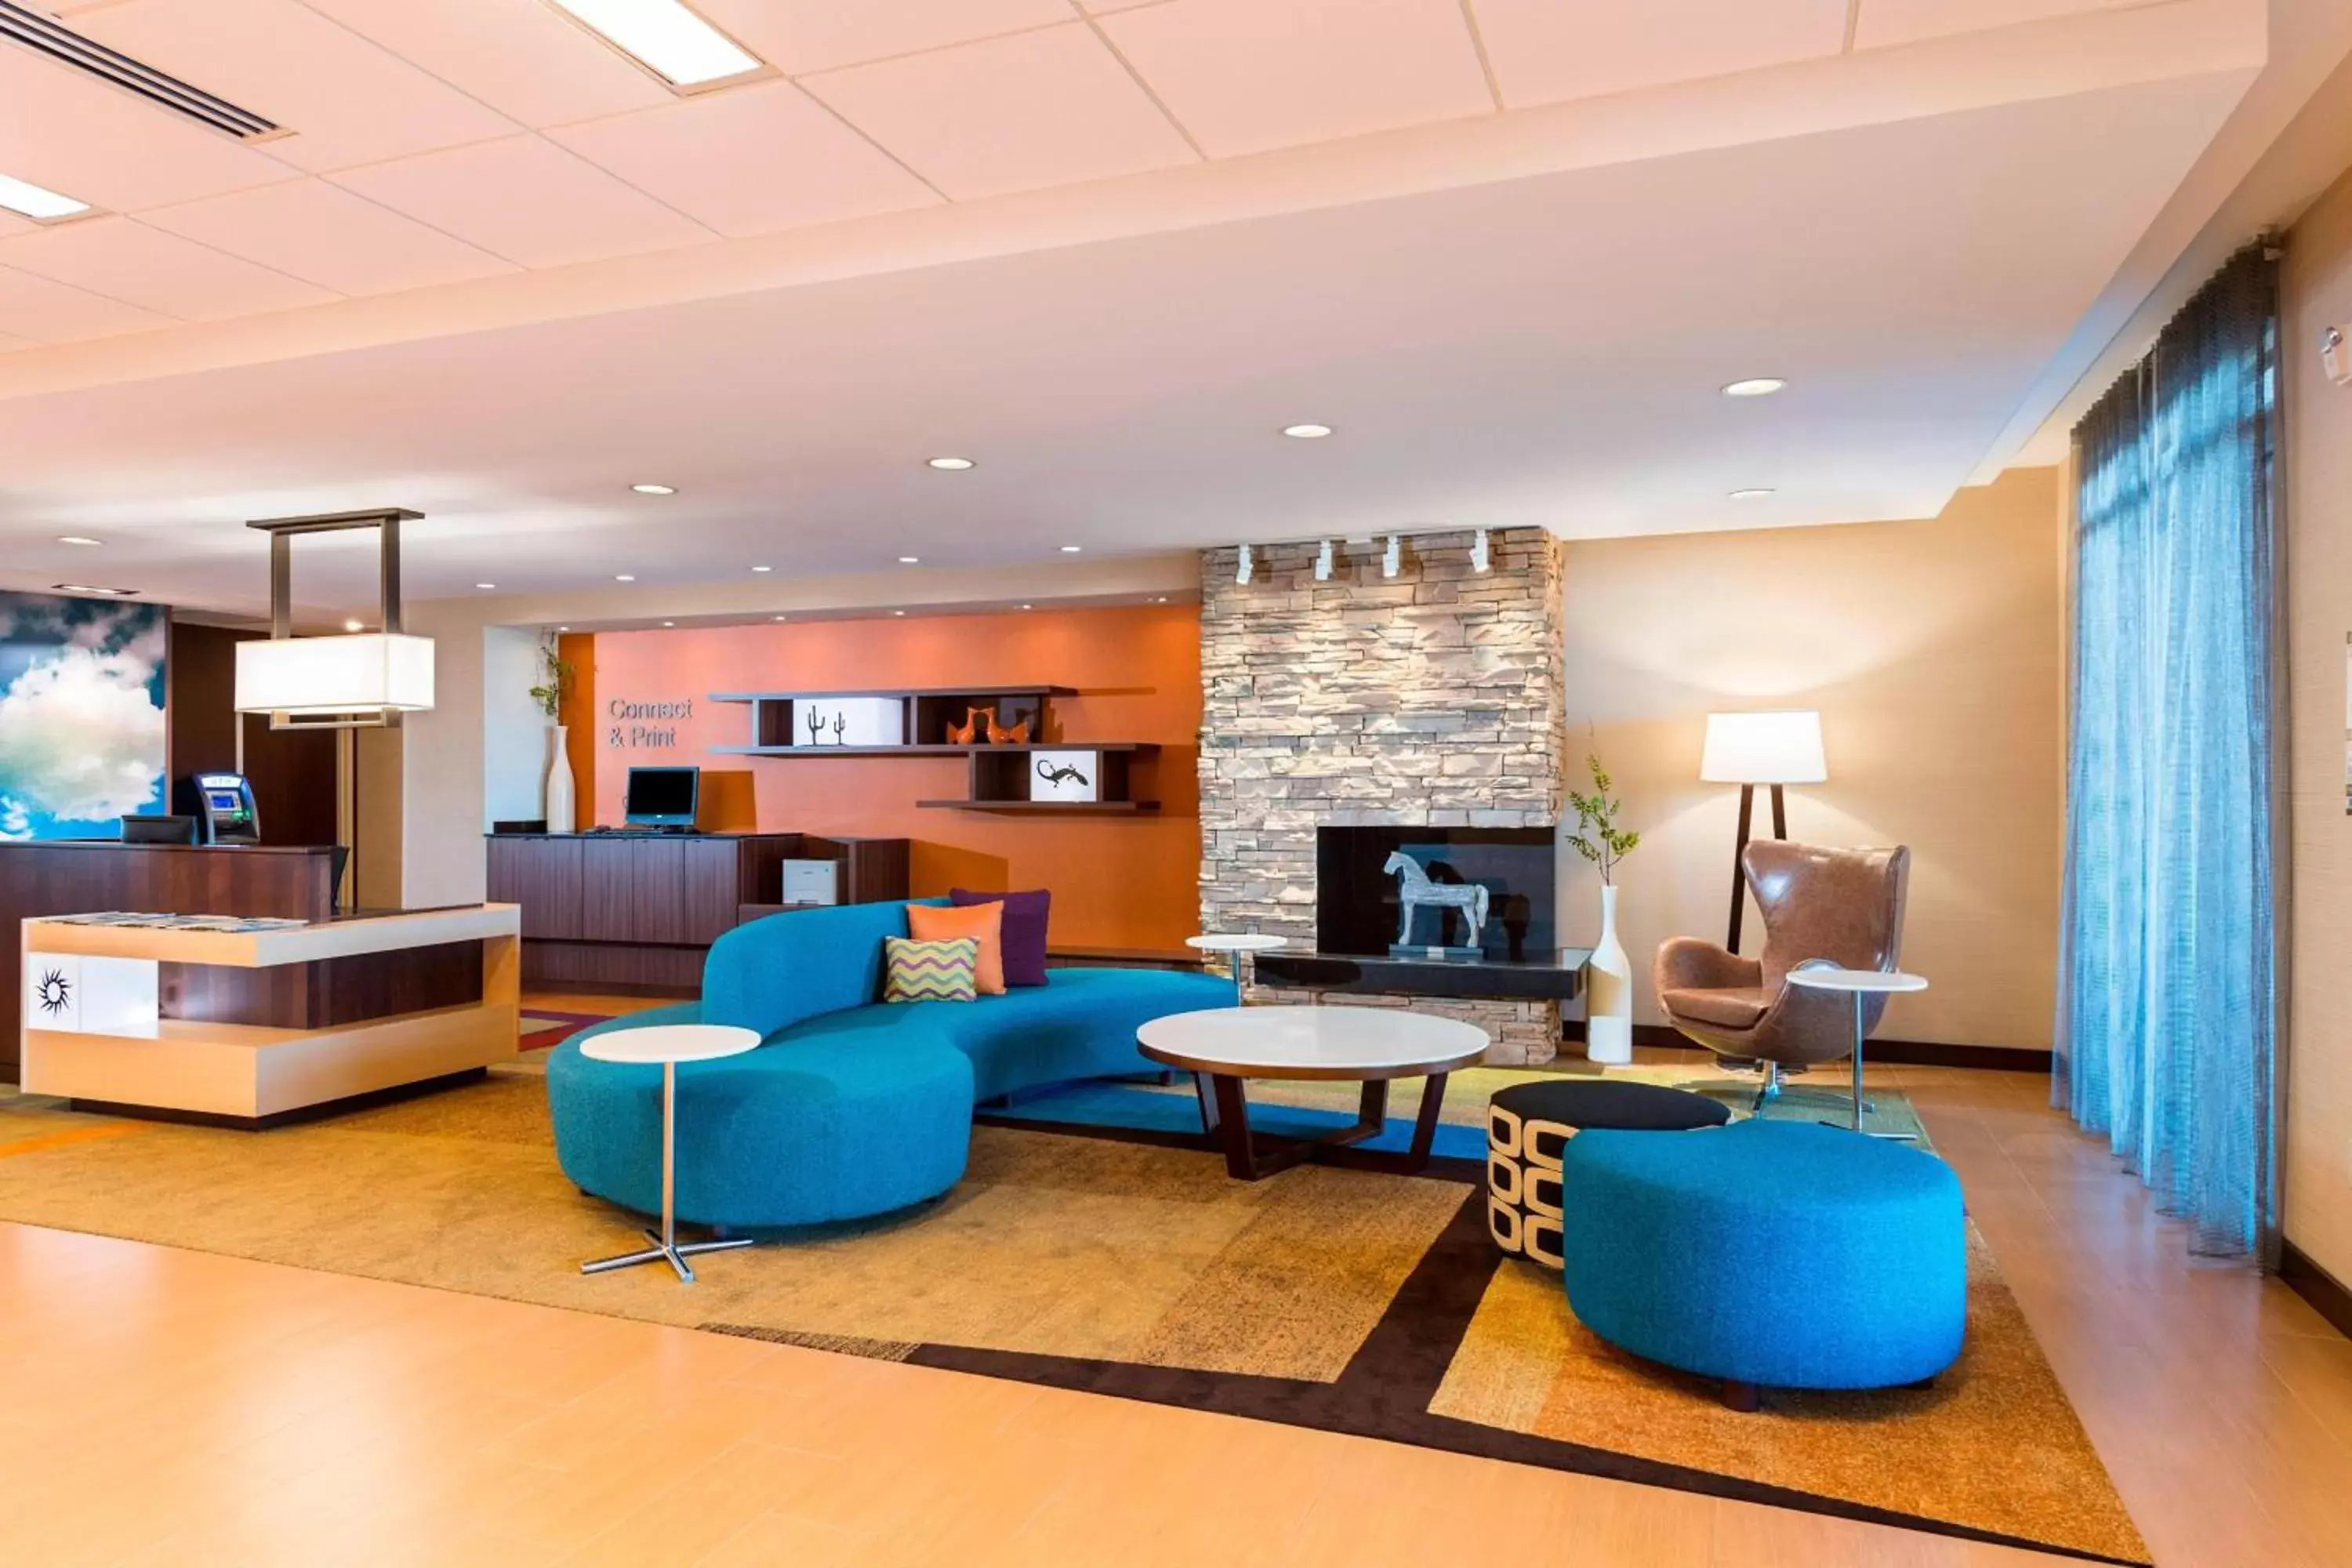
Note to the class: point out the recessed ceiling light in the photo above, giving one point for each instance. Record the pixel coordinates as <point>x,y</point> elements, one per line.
<point>1159,599</point>
<point>1072,549</point>
<point>486,584</point>
<point>1751,494</point>
<point>952,464</point>
<point>34,203</point>
<point>666,38</point>
<point>898,611</point>
<point>563,628</point>
<point>910,561</point>
<point>622,577</point>
<point>669,623</point>
<point>763,568</point>
<point>655,489</point>
<point>1755,386</point>
<point>1307,432</point>
<point>85,588</point>
<point>353,624</point>
<point>78,539</point>
<point>780,618</point>
<point>1028,606</point>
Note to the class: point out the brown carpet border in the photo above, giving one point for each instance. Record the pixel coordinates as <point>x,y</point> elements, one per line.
<point>1387,1387</point>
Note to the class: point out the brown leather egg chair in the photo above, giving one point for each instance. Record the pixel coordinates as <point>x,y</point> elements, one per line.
<point>1843,907</point>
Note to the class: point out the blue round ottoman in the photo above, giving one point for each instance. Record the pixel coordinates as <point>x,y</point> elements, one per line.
<point>1767,1254</point>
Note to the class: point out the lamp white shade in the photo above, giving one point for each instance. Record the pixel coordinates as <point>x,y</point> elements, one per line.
<point>1782,748</point>
<point>318,677</point>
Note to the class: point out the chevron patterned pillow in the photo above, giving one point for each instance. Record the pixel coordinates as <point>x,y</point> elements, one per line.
<point>931,971</point>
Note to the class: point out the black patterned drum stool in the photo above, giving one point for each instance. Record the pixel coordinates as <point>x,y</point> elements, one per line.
<point>1527,1125</point>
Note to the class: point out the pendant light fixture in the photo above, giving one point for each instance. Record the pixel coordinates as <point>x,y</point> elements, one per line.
<point>356,681</point>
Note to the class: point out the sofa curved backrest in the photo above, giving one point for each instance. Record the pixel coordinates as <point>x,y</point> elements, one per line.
<point>782,970</point>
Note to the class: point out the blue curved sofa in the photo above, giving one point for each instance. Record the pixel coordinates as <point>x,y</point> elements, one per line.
<point>850,1107</point>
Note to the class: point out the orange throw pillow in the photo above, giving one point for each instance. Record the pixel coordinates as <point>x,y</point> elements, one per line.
<point>933,922</point>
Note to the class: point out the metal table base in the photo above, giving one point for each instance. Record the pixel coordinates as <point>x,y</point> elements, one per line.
<point>665,1246</point>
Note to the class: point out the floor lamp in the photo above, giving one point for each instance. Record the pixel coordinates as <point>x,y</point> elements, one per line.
<point>1751,748</point>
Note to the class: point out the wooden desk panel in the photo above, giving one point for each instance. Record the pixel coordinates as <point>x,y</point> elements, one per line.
<point>59,877</point>
<point>637,912</point>
<point>365,977</point>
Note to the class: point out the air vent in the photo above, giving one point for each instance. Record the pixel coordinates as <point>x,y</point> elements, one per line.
<point>59,42</point>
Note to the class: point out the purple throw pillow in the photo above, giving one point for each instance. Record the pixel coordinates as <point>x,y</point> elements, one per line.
<point>1024,932</point>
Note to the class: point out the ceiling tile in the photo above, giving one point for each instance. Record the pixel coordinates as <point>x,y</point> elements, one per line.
<point>327,236</point>
<point>9,344</point>
<point>346,101</point>
<point>801,36</point>
<point>126,260</point>
<point>1048,108</point>
<point>527,200</point>
<point>1885,22</point>
<point>522,58</point>
<point>50,312</point>
<point>78,136</point>
<point>1245,75</point>
<point>1548,51</point>
<point>810,168</point>
<point>1102,7</point>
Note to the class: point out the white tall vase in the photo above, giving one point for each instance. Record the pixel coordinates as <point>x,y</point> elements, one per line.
<point>560,804</point>
<point>1608,992</point>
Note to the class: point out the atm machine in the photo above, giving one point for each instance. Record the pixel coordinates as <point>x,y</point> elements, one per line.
<point>222,804</point>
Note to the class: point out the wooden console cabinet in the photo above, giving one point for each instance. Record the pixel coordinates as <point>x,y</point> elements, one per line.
<point>636,913</point>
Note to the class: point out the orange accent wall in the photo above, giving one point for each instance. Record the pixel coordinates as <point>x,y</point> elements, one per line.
<point>577,712</point>
<point>1118,882</point>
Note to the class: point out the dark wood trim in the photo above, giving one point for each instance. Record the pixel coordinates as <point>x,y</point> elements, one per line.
<point>344,1106</point>
<point>1900,1053</point>
<point>2315,1284</point>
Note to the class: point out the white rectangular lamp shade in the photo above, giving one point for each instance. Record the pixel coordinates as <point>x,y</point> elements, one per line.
<point>366,672</point>
<point>1782,748</point>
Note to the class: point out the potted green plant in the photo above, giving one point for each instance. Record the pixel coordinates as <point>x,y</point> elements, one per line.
<point>1609,973</point>
<point>554,685</point>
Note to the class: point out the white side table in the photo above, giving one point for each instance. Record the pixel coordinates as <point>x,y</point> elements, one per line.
<point>668,1043</point>
<point>1238,945</point>
<point>1862,984</point>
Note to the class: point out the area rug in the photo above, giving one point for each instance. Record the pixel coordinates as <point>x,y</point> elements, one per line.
<point>542,1029</point>
<point>1122,1260</point>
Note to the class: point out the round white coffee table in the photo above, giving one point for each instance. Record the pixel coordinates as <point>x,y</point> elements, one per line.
<point>668,1043</point>
<point>1237,946</point>
<point>1862,984</point>
<point>1222,1046</point>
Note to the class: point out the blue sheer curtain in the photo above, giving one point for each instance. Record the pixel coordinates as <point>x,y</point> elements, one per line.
<point>2168,1007</point>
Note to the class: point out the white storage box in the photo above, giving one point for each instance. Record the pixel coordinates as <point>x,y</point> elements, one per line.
<point>812,882</point>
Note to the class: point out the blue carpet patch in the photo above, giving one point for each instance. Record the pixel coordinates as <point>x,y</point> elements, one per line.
<point>1163,1111</point>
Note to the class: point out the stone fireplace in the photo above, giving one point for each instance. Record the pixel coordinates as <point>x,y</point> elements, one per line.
<point>1430,700</point>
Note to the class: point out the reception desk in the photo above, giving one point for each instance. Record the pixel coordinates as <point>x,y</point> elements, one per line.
<point>54,876</point>
<point>105,1028</point>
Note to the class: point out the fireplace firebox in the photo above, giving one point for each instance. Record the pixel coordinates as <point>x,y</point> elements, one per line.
<point>1357,909</point>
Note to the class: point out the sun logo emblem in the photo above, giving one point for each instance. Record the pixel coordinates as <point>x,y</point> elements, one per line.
<point>57,993</point>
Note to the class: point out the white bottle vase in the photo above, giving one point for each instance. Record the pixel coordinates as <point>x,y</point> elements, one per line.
<point>1608,992</point>
<point>561,807</point>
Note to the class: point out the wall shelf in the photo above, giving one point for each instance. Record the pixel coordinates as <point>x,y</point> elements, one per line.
<point>1114,808</point>
<point>1132,748</point>
<point>917,722</point>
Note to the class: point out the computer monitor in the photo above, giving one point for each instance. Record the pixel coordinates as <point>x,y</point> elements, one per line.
<point>662,798</point>
<point>158,830</point>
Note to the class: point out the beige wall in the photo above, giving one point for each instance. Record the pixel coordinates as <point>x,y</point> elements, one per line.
<point>2317,1175</point>
<point>1932,651</point>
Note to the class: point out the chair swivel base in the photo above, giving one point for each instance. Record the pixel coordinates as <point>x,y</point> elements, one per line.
<point>675,1253</point>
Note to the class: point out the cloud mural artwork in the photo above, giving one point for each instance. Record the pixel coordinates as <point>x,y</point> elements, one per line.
<point>82,714</point>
